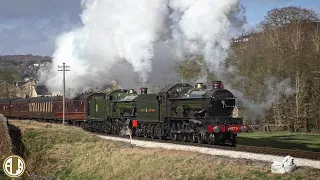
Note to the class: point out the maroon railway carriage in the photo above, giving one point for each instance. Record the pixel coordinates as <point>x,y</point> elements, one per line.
<point>5,107</point>
<point>42,108</point>
<point>74,109</point>
<point>20,108</point>
<point>77,109</point>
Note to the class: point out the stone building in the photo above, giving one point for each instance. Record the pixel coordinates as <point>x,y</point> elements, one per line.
<point>23,89</point>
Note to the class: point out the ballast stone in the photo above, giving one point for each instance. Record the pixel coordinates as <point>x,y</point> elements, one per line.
<point>285,166</point>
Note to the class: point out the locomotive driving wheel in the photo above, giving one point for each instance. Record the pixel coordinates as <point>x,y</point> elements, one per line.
<point>152,132</point>
<point>194,138</point>
<point>185,137</point>
<point>201,138</point>
<point>146,133</point>
<point>158,132</point>
<point>174,136</point>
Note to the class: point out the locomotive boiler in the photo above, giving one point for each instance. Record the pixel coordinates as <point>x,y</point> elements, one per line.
<point>198,101</point>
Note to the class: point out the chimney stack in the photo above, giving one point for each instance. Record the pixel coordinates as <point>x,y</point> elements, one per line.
<point>217,85</point>
<point>144,90</point>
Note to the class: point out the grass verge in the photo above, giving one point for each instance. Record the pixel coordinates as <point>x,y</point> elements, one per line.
<point>66,152</point>
<point>284,140</point>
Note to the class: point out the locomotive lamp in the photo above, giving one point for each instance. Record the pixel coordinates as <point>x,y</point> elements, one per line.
<point>244,129</point>
<point>144,90</point>
<point>216,129</point>
<point>217,85</point>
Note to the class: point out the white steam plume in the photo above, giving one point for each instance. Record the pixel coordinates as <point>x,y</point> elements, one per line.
<point>126,40</point>
<point>203,27</point>
<point>114,32</point>
<point>273,91</point>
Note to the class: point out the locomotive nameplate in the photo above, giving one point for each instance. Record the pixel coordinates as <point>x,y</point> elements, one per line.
<point>147,110</point>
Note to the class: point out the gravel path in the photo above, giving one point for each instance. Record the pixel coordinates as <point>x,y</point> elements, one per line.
<point>218,152</point>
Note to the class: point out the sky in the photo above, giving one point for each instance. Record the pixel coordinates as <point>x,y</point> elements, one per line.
<point>32,26</point>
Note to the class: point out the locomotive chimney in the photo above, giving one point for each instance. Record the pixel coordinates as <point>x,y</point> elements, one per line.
<point>144,90</point>
<point>217,85</point>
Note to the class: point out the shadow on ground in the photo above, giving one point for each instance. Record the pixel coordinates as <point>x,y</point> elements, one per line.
<point>16,139</point>
<point>282,142</point>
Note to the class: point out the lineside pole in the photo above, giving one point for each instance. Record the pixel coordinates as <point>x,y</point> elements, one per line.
<point>64,90</point>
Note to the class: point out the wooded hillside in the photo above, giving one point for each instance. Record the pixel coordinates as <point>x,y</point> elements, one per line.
<point>21,66</point>
<point>284,49</point>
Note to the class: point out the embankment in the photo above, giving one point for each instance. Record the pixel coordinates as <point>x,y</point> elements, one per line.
<point>10,139</point>
<point>66,152</point>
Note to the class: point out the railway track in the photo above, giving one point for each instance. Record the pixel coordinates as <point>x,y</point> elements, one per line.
<point>252,149</point>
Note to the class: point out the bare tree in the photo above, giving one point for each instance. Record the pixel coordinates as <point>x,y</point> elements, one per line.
<point>288,15</point>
